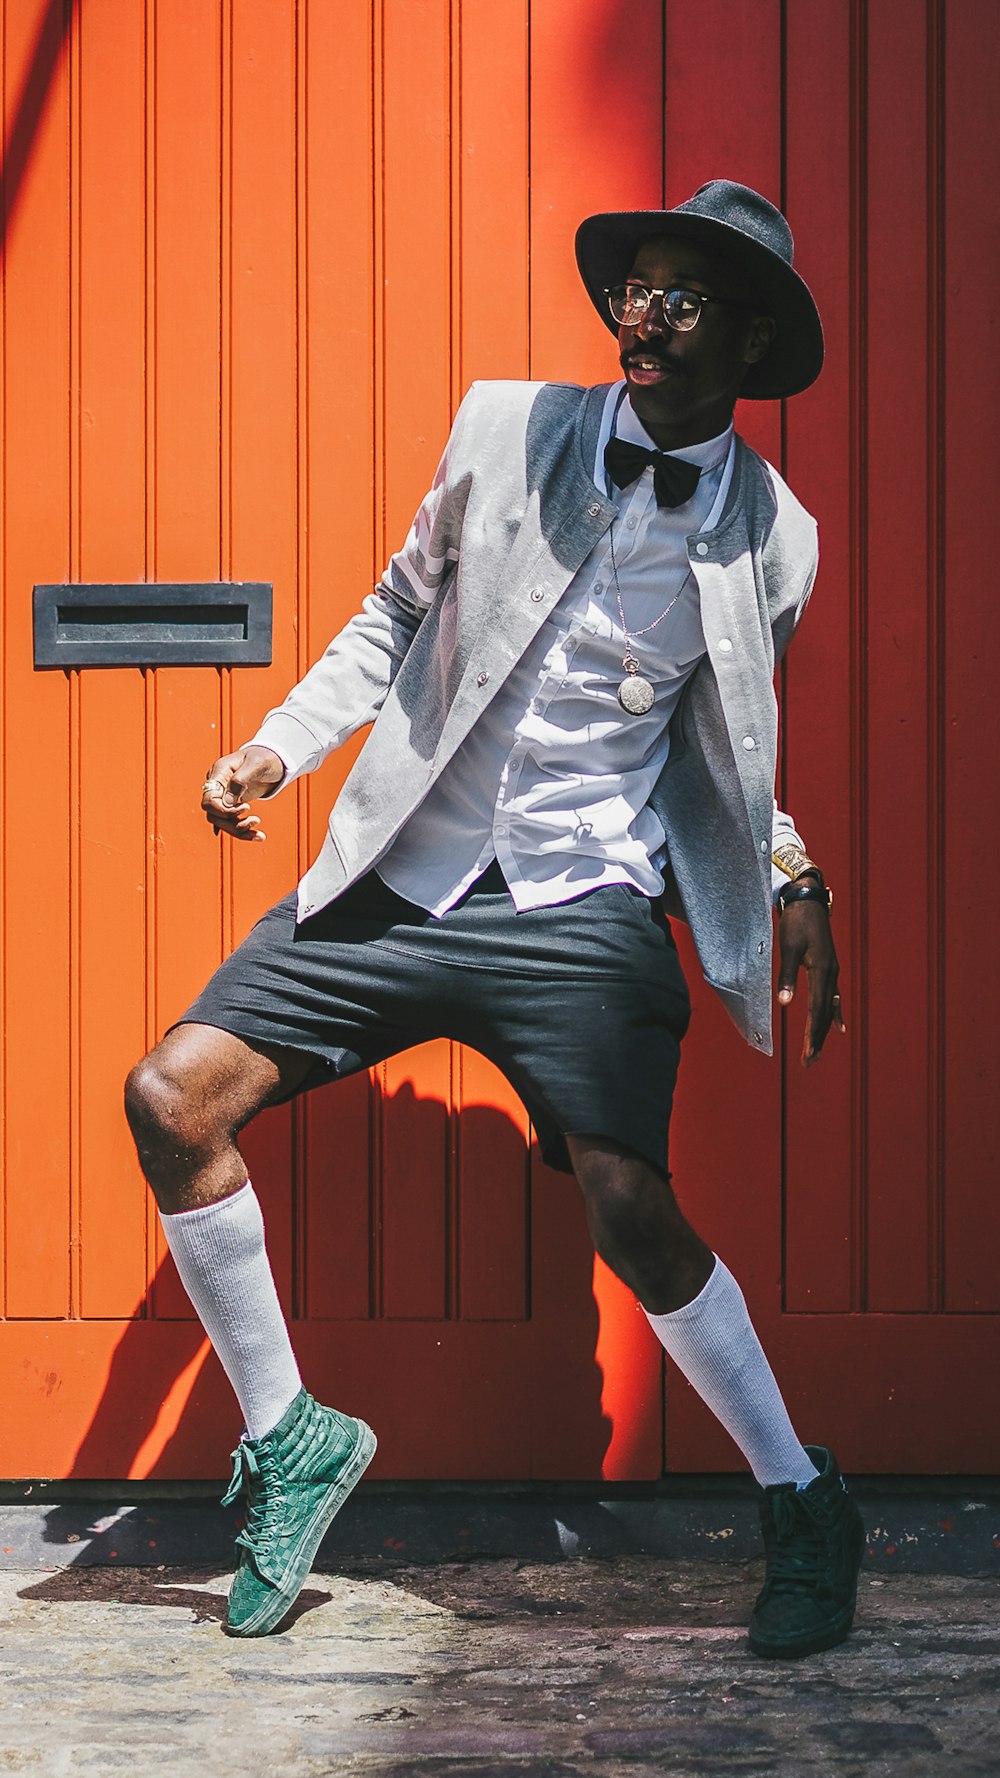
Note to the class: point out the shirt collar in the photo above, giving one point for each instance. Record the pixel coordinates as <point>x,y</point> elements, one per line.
<point>710,454</point>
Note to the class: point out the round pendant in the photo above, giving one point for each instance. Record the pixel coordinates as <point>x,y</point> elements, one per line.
<point>635,695</point>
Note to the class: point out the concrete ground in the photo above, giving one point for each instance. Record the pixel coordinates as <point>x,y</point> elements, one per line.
<point>593,1656</point>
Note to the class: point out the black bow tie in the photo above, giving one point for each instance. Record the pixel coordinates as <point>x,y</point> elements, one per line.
<point>673,479</point>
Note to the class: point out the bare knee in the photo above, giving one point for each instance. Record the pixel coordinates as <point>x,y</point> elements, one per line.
<point>168,1109</point>
<point>638,1228</point>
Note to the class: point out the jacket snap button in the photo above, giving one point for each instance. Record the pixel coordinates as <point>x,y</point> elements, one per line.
<point>537,595</point>
<point>725,646</point>
<point>760,948</point>
<point>758,1037</point>
<point>701,549</point>
<point>594,510</point>
<point>765,846</point>
<point>482,678</point>
<point>749,743</point>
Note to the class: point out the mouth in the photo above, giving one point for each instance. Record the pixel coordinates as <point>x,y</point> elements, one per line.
<point>644,369</point>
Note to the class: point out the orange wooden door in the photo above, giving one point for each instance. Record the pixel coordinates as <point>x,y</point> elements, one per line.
<point>253,253</point>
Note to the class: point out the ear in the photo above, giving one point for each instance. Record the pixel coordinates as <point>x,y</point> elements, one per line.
<point>759,336</point>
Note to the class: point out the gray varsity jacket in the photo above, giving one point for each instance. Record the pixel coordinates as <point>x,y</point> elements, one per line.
<point>512,514</point>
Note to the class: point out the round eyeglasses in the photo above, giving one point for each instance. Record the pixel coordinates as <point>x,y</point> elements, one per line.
<point>630,303</point>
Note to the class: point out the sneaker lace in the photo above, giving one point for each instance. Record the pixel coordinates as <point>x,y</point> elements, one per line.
<point>259,1474</point>
<point>799,1556</point>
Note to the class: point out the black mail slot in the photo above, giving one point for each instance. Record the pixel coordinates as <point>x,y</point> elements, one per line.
<point>208,624</point>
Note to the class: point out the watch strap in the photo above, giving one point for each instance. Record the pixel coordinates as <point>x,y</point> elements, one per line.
<point>796,891</point>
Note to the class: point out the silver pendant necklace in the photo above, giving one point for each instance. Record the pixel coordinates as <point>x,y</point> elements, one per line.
<point>635,694</point>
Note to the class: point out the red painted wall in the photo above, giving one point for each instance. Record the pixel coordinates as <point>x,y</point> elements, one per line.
<point>253,254</point>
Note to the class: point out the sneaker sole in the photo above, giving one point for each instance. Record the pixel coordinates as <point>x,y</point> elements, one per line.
<point>268,1616</point>
<point>794,1651</point>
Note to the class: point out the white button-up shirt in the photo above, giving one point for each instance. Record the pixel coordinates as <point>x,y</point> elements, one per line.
<point>554,778</point>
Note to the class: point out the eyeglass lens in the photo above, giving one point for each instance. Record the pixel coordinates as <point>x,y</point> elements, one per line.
<point>630,302</point>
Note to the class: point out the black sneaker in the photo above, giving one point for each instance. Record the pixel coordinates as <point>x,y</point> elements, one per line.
<point>814,1541</point>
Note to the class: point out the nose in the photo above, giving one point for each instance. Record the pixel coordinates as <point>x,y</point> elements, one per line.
<point>652,322</point>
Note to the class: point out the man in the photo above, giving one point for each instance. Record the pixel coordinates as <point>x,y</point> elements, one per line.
<point>569,671</point>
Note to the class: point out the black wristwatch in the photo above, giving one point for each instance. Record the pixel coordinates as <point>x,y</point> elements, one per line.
<point>800,891</point>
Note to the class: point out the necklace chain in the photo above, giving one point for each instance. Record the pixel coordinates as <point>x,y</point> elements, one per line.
<point>628,634</point>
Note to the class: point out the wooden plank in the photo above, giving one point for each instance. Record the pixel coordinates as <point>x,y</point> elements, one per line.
<point>900,999</point>
<point>596,144</point>
<point>338,1233</point>
<point>414,324</point>
<point>723,111</point>
<point>723,121</point>
<point>966,287</point>
<point>544,1394</point>
<point>111,494</point>
<point>263,453</point>
<point>596,121</point>
<point>493,1206</point>
<point>820,783</point>
<point>337,567</point>
<point>261,485</point>
<point>415,1166</point>
<point>490,330</point>
<point>897,1364</point>
<point>36,713</point>
<point>413,274</point>
<point>184,935</point>
<point>490,323</point>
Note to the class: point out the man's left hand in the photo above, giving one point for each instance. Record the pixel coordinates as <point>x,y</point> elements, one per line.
<point>804,938</point>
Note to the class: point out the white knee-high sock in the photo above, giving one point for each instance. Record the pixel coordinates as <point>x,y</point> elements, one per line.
<point>713,1342</point>
<point>220,1254</point>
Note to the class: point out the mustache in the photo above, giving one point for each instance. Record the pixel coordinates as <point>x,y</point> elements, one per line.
<point>663,358</point>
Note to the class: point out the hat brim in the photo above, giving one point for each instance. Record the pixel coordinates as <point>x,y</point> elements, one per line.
<point>607,244</point>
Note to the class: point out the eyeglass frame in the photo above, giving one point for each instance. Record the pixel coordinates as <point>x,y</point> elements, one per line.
<point>652,291</point>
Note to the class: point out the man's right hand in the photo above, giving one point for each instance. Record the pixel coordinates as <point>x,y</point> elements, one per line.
<point>232,784</point>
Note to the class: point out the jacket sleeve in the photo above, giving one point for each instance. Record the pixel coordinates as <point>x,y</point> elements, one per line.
<point>783,829</point>
<point>348,684</point>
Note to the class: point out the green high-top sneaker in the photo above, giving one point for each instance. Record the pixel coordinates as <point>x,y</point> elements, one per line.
<point>814,1541</point>
<point>296,1479</point>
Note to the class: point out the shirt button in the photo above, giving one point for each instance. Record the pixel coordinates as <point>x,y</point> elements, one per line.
<point>758,1037</point>
<point>725,646</point>
<point>594,510</point>
<point>537,595</point>
<point>749,743</point>
<point>630,524</point>
<point>701,549</point>
<point>500,830</point>
<point>482,678</point>
<point>308,909</point>
<point>598,586</point>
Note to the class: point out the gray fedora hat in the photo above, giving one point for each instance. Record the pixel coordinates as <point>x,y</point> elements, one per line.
<point>751,239</point>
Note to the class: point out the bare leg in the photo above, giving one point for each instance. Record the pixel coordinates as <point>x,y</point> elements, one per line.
<point>637,1225</point>
<point>694,1304</point>
<point>186,1104</point>
<point>187,1101</point>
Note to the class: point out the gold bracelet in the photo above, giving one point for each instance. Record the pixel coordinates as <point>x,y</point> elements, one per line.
<point>793,862</point>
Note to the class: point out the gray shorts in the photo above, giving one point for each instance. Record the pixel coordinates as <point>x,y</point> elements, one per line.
<point>582,1006</point>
